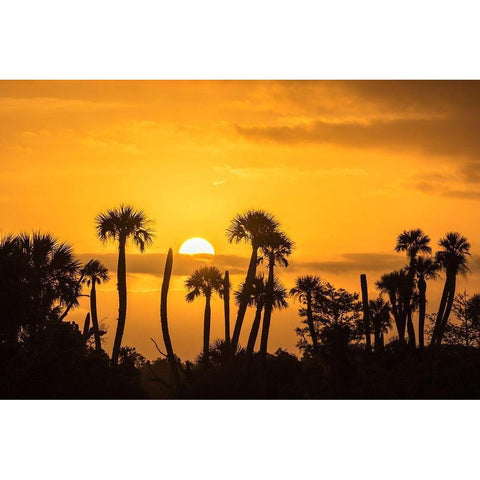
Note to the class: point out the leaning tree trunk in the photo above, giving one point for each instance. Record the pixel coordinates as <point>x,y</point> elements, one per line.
<point>122,300</point>
<point>206,328</point>
<point>226,305</point>
<point>441,311</point>
<point>252,338</point>
<point>242,308</point>
<point>422,297</point>
<point>267,314</point>
<point>366,312</point>
<point>86,327</point>
<point>164,319</point>
<point>448,308</point>
<point>93,311</point>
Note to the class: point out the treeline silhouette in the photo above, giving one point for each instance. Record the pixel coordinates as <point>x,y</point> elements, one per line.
<point>350,346</point>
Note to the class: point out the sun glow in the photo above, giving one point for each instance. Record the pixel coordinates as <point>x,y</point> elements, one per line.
<point>195,246</point>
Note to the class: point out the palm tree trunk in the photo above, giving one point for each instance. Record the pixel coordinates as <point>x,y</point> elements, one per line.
<point>366,312</point>
<point>252,338</point>
<point>122,300</point>
<point>93,311</point>
<point>311,326</point>
<point>164,319</point>
<point>86,327</point>
<point>398,320</point>
<point>448,308</point>
<point>441,311</point>
<point>242,308</point>
<point>267,314</point>
<point>226,305</point>
<point>411,330</point>
<point>206,328</point>
<point>422,294</point>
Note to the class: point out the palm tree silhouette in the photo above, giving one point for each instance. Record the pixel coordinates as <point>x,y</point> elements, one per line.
<point>253,226</point>
<point>257,299</point>
<point>204,281</point>
<point>120,225</point>
<point>276,251</point>
<point>412,242</point>
<point>397,285</point>
<point>380,314</point>
<point>425,268</point>
<point>453,259</point>
<point>94,274</point>
<point>305,290</point>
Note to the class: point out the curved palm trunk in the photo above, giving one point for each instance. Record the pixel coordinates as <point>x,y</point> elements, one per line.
<point>267,314</point>
<point>441,311</point>
<point>93,311</point>
<point>242,308</point>
<point>86,327</point>
<point>448,308</point>
<point>311,326</point>
<point>226,305</point>
<point>422,294</point>
<point>252,338</point>
<point>122,300</point>
<point>164,319</point>
<point>206,328</point>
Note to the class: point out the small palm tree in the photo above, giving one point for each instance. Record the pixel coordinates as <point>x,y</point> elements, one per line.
<point>253,227</point>
<point>425,268</point>
<point>380,314</point>
<point>454,260</point>
<point>305,289</point>
<point>205,282</point>
<point>94,274</point>
<point>276,250</point>
<point>120,225</point>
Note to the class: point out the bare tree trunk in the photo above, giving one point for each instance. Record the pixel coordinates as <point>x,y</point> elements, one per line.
<point>267,314</point>
<point>122,300</point>
<point>311,326</point>
<point>448,308</point>
<point>86,327</point>
<point>206,328</point>
<point>366,312</point>
<point>93,311</point>
<point>411,330</point>
<point>252,338</point>
<point>242,308</point>
<point>441,311</point>
<point>422,293</point>
<point>164,319</point>
<point>226,305</point>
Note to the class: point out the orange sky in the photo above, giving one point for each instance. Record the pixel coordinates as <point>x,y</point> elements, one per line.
<point>345,166</point>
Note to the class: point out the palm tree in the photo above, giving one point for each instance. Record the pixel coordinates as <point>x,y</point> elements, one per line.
<point>397,286</point>
<point>425,268</point>
<point>225,294</point>
<point>120,225</point>
<point>204,281</point>
<point>380,314</point>
<point>253,227</point>
<point>94,274</point>
<point>305,289</point>
<point>276,251</point>
<point>412,242</point>
<point>453,259</point>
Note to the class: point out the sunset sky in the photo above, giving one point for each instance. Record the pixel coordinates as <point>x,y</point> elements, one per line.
<point>344,166</point>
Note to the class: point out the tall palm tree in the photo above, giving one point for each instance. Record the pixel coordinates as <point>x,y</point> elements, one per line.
<point>453,259</point>
<point>254,227</point>
<point>398,287</point>
<point>305,289</point>
<point>276,251</point>
<point>412,242</point>
<point>204,281</point>
<point>425,268</point>
<point>120,225</point>
<point>380,314</point>
<point>94,274</point>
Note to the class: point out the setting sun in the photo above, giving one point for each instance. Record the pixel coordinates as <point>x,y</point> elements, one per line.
<point>195,246</point>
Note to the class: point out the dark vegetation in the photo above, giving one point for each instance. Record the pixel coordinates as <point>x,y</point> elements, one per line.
<point>342,336</point>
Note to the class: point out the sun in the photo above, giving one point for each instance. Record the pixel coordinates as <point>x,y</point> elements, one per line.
<point>195,246</point>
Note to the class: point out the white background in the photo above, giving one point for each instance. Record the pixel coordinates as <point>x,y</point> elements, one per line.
<point>241,40</point>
